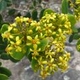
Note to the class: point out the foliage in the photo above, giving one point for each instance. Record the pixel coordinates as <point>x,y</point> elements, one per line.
<point>39,37</point>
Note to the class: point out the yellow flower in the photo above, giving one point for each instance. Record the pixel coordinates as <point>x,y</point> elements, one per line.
<point>18,40</point>
<point>35,51</point>
<point>18,49</point>
<point>7,35</point>
<point>32,41</point>
<point>8,49</point>
<point>77,1</point>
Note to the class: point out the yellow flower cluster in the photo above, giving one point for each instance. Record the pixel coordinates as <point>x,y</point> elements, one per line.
<point>76,8</point>
<point>26,33</point>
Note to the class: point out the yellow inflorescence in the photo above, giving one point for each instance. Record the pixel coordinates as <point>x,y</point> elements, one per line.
<point>27,32</point>
<point>76,8</point>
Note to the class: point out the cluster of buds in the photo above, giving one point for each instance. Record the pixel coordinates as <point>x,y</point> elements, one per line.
<point>43,40</point>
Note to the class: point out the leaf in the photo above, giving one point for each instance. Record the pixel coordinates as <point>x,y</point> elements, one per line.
<point>64,6</point>
<point>13,60</point>
<point>17,55</point>
<point>34,2</point>
<point>5,71</point>
<point>3,5</point>
<point>4,28</point>
<point>28,53</point>
<point>9,2</point>
<point>43,44</point>
<point>74,29</point>
<point>48,11</point>
<point>18,14</point>
<point>3,77</point>
<point>34,14</point>
<point>41,13</point>
<point>71,38</point>
<point>76,36</point>
<point>34,64</point>
<point>1,19</point>
<point>2,45</point>
<point>72,20</point>
<point>28,14</point>
<point>11,12</point>
<point>0,63</point>
<point>4,56</point>
<point>39,1</point>
<point>78,29</point>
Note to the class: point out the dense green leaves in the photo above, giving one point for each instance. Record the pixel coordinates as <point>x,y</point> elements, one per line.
<point>64,6</point>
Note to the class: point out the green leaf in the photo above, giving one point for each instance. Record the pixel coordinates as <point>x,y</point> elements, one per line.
<point>48,11</point>
<point>34,2</point>
<point>39,1</point>
<point>13,60</point>
<point>0,63</point>
<point>4,56</point>
<point>28,14</point>
<point>17,55</point>
<point>78,45</point>
<point>43,44</point>
<point>3,77</point>
<point>4,28</point>
<point>28,50</point>
<point>9,2</point>
<point>64,6</point>
<point>76,36</point>
<point>2,45</point>
<point>34,65</point>
<point>74,29</point>
<point>71,38</point>
<point>34,14</point>
<point>41,13</point>
<point>3,5</point>
<point>5,71</point>
<point>2,48</point>
<point>11,12</point>
<point>72,20</point>
<point>28,53</point>
<point>1,19</point>
<point>78,29</point>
